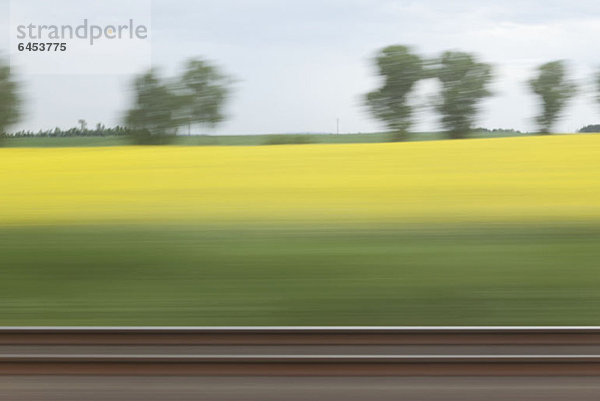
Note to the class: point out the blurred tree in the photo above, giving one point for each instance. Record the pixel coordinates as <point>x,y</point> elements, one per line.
<point>10,99</point>
<point>464,84</point>
<point>161,108</point>
<point>154,117</point>
<point>204,90</point>
<point>555,90</point>
<point>82,125</point>
<point>400,70</point>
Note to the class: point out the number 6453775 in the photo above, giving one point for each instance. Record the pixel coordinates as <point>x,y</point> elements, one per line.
<point>42,47</point>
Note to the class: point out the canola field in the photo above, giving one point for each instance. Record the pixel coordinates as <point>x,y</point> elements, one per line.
<point>473,232</point>
<point>533,179</point>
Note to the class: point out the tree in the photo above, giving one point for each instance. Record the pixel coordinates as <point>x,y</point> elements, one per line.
<point>10,100</point>
<point>153,119</point>
<point>162,107</point>
<point>82,125</point>
<point>555,90</point>
<point>205,90</point>
<point>400,70</point>
<point>465,83</point>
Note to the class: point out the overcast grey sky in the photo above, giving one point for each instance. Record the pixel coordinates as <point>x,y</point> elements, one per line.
<point>300,64</point>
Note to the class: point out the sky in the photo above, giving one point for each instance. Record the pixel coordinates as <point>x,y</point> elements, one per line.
<point>299,65</point>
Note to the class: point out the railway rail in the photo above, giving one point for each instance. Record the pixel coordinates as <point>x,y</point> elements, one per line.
<point>178,360</point>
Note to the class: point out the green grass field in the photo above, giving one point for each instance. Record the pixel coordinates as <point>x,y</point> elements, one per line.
<point>229,140</point>
<point>184,275</point>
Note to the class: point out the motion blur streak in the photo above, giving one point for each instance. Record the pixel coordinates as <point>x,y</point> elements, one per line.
<point>550,179</point>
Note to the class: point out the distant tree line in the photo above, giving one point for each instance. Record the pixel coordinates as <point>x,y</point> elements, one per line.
<point>165,107</point>
<point>498,131</point>
<point>590,129</point>
<point>100,130</point>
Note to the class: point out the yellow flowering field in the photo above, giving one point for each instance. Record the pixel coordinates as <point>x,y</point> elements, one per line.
<point>526,179</point>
